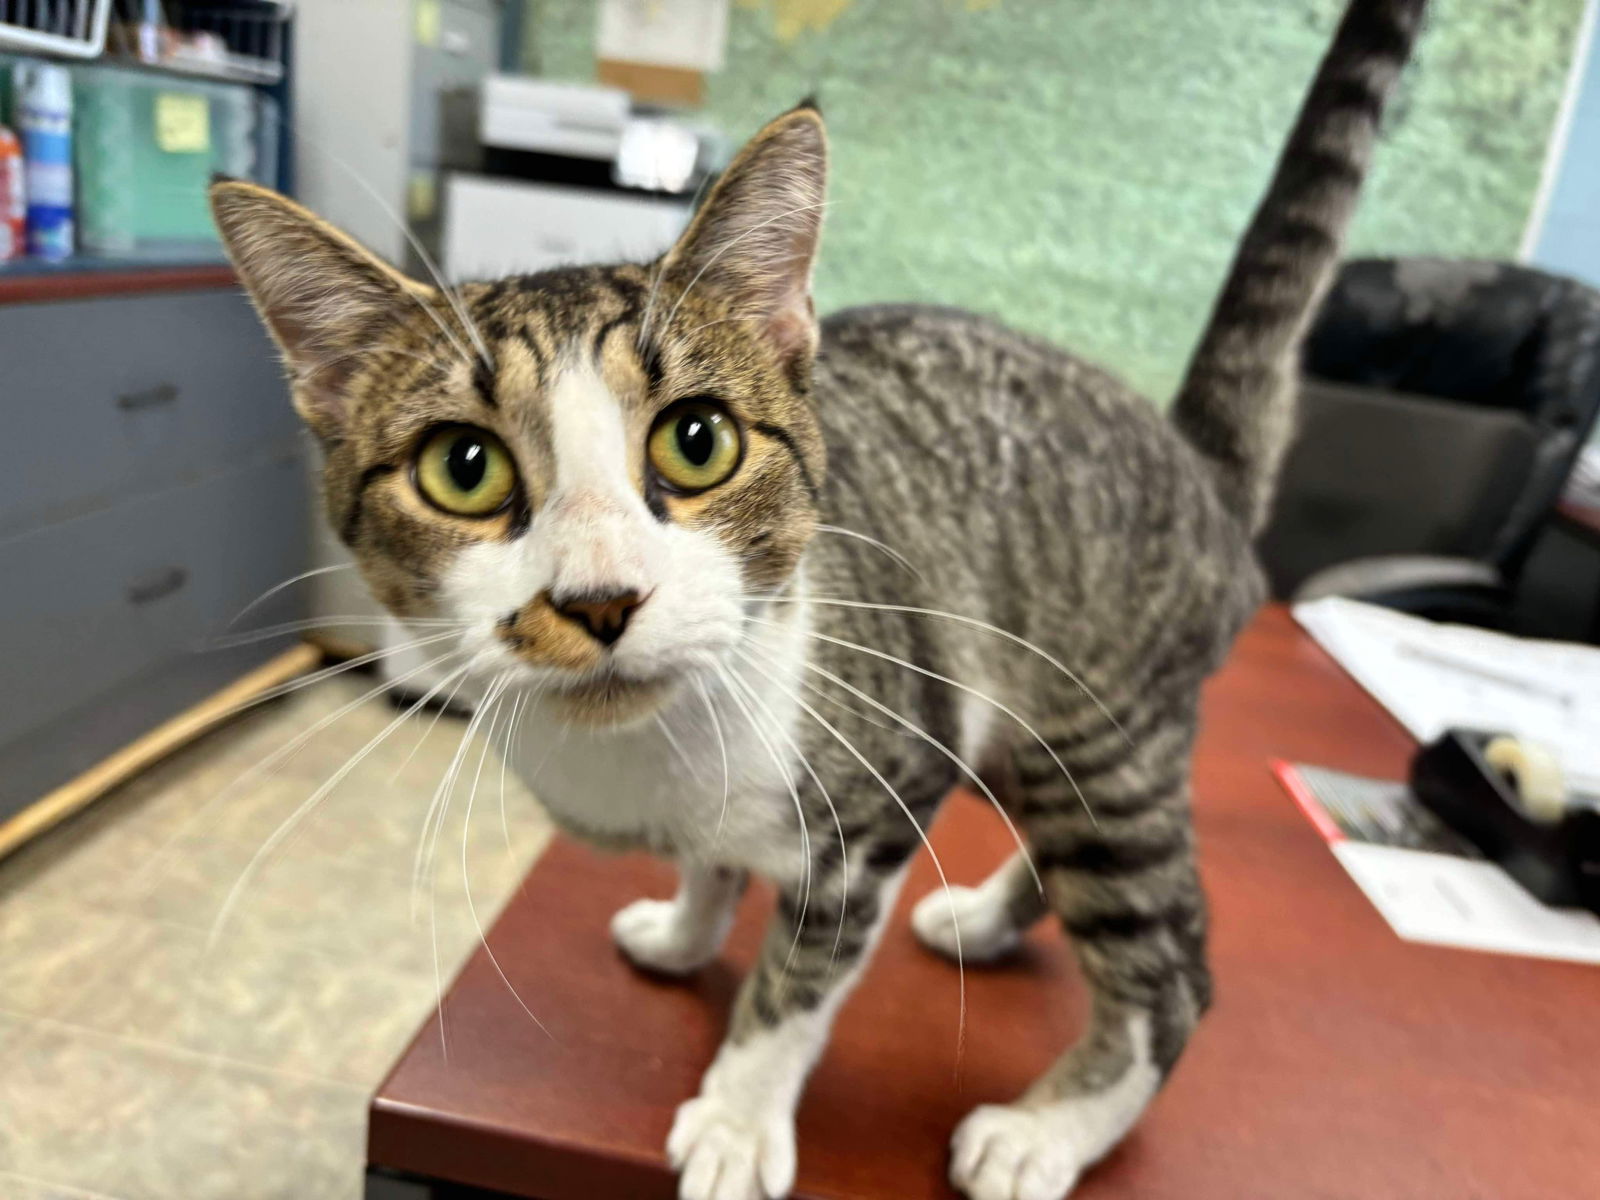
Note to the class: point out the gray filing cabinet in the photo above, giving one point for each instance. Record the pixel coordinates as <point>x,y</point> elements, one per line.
<point>151,486</point>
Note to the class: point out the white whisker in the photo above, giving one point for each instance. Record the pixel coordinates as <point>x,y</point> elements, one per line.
<point>729,245</point>
<point>948,753</point>
<point>838,825</point>
<point>722,746</point>
<point>451,298</point>
<point>876,544</point>
<point>677,746</point>
<point>731,680</point>
<point>538,767</point>
<point>661,269</point>
<point>293,821</point>
<point>439,711</point>
<point>944,882</point>
<point>433,820</point>
<point>429,839</point>
<point>250,636</point>
<point>518,709</point>
<point>975,623</point>
<point>971,691</point>
<point>290,582</point>
<point>822,693</point>
<point>466,877</point>
<point>159,856</point>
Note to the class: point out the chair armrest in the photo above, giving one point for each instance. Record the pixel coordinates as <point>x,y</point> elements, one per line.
<point>1449,589</point>
<point>1361,577</point>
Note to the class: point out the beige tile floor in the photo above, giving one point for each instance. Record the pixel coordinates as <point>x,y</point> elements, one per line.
<point>142,1055</point>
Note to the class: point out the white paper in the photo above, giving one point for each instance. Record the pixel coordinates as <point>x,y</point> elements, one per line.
<point>688,34</point>
<point>1429,883</point>
<point>1433,677</point>
<point>1470,904</point>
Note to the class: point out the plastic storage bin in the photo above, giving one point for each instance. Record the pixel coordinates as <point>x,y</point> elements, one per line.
<point>147,146</point>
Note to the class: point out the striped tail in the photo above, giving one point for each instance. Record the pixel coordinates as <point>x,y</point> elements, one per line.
<point>1236,405</point>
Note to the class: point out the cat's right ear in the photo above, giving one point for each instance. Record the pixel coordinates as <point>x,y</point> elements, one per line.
<point>322,295</point>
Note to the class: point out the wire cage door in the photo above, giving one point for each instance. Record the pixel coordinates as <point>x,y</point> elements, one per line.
<point>75,28</point>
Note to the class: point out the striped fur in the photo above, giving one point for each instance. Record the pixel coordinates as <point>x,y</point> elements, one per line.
<point>1237,402</point>
<point>948,551</point>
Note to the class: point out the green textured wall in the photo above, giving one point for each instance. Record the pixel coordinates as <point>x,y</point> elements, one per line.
<point>1081,168</point>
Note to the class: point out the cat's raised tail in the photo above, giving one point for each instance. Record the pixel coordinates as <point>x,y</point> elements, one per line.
<point>1236,405</point>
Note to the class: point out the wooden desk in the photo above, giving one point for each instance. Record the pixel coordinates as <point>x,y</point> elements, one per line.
<point>1339,1061</point>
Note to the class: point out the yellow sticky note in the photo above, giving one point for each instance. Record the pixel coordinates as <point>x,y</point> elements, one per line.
<point>427,18</point>
<point>422,196</point>
<point>183,123</point>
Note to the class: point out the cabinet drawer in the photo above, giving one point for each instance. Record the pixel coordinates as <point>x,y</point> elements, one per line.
<point>89,603</point>
<point>107,398</point>
<point>46,758</point>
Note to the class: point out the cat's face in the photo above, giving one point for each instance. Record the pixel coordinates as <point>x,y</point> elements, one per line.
<point>595,479</point>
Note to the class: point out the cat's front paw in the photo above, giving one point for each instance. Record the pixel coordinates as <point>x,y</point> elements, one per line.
<point>655,935</point>
<point>726,1153</point>
<point>1008,1152</point>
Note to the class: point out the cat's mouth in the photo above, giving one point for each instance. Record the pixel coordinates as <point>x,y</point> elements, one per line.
<point>609,699</point>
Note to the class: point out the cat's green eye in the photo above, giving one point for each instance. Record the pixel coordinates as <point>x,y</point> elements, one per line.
<point>694,445</point>
<point>466,471</point>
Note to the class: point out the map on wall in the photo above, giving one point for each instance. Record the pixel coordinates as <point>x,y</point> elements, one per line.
<point>1082,168</point>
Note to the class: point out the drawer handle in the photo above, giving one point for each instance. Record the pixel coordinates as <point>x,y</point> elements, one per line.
<point>162,393</point>
<point>154,586</point>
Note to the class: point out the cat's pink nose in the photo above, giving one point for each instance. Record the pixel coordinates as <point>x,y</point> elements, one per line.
<point>604,614</point>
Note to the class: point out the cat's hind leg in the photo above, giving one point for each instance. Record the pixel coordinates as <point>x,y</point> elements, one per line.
<point>1125,887</point>
<point>681,935</point>
<point>991,918</point>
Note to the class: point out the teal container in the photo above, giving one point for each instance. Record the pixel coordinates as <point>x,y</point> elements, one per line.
<point>147,146</point>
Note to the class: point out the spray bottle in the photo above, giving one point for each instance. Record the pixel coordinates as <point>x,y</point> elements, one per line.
<point>44,118</point>
<point>13,200</point>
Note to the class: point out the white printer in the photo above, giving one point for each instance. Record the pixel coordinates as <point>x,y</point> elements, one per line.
<point>573,173</point>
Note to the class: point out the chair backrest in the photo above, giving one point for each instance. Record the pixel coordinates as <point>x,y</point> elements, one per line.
<point>1443,406</point>
<point>1381,472</point>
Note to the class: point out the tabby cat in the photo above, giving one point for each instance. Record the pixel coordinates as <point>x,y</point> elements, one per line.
<point>764,589</point>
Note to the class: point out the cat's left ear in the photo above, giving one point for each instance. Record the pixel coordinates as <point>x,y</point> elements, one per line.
<point>755,238</point>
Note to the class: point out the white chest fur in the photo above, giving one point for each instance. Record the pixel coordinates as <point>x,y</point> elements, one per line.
<point>661,783</point>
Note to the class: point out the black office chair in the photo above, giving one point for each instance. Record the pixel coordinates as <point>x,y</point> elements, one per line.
<point>1443,404</point>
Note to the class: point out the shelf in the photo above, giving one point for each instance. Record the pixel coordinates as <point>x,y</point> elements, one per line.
<point>236,68</point>
<point>30,281</point>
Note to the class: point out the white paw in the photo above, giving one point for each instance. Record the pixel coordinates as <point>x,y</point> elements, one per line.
<point>1003,1152</point>
<point>987,932</point>
<point>727,1153</point>
<point>654,935</point>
